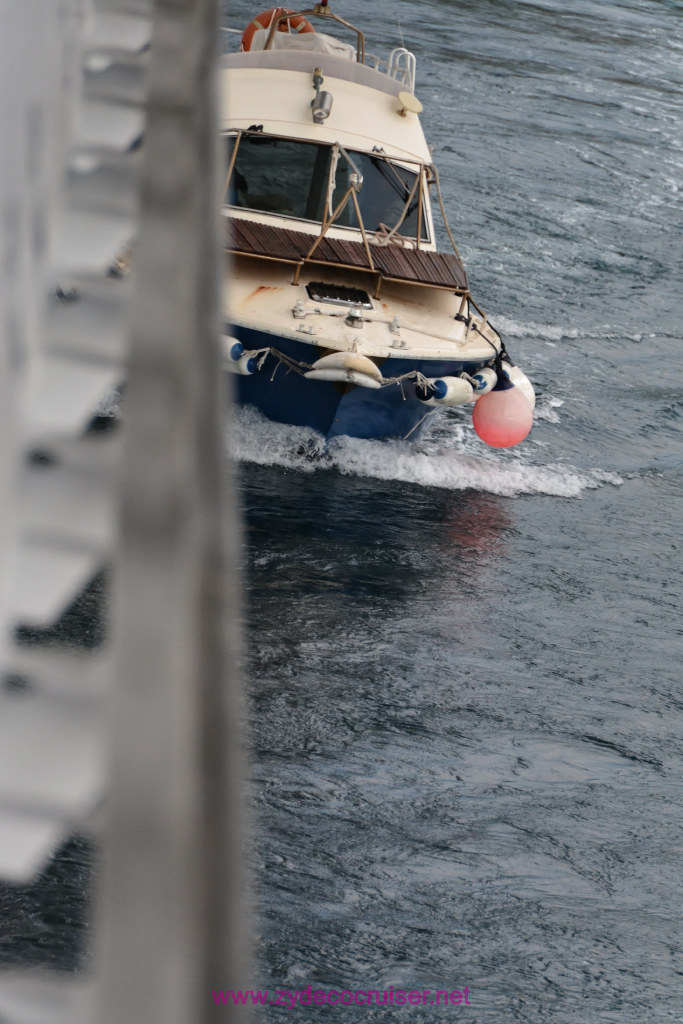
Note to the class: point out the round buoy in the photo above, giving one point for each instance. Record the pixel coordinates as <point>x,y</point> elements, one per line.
<point>502,418</point>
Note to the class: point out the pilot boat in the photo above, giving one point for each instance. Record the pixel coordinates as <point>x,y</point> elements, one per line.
<point>342,315</point>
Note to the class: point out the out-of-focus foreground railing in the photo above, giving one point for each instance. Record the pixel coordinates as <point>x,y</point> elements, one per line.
<point>144,725</point>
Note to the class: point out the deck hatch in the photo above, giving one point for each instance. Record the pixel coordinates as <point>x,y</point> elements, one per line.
<point>339,294</point>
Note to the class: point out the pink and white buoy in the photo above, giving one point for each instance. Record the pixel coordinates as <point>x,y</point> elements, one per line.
<point>503,417</point>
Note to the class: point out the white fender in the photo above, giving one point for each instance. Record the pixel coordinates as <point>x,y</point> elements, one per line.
<point>344,377</point>
<point>521,381</point>
<point>236,358</point>
<point>231,348</point>
<point>485,379</point>
<point>348,361</point>
<point>449,391</point>
<point>246,364</point>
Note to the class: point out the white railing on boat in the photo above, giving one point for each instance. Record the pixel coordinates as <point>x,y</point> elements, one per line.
<point>400,64</point>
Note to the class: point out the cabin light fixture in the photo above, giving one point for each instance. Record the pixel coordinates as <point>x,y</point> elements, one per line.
<point>321,105</point>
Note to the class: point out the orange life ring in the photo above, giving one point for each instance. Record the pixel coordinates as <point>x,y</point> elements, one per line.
<point>265,20</point>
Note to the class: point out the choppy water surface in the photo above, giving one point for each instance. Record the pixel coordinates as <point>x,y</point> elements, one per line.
<point>463,663</point>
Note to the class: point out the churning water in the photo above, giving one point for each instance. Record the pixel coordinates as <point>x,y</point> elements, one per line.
<point>463,664</point>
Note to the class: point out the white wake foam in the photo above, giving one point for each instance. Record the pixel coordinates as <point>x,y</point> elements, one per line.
<point>554,333</point>
<point>546,409</point>
<point>442,460</point>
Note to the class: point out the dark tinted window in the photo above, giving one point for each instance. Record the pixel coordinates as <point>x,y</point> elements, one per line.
<point>289,177</point>
<point>385,190</point>
<point>280,176</point>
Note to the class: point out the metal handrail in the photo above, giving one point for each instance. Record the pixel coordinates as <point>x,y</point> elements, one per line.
<point>358,183</point>
<point>401,66</point>
<point>231,164</point>
<point>320,10</point>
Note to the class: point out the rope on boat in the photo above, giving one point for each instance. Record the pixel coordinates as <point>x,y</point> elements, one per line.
<point>437,182</point>
<point>302,368</point>
<point>421,382</point>
<point>385,236</point>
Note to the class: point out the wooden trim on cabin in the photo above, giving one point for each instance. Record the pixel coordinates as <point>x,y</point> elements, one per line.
<point>390,262</point>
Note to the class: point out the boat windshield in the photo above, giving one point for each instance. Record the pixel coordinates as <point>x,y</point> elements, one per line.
<point>290,178</point>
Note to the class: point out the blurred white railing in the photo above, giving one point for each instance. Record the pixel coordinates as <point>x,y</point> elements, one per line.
<point>72,89</point>
<point>161,741</point>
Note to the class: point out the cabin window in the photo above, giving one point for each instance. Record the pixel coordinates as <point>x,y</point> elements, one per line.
<point>279,176</point>
<point>385,190</point>
<point>290,178</point>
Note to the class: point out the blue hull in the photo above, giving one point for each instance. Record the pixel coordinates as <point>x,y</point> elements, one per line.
<point>335,409</point>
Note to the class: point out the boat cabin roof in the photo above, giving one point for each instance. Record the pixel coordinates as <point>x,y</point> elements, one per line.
<point>307,60</point>
<point>274,88</point>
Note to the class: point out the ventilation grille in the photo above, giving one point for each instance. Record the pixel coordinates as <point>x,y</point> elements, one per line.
<point>339,294</point>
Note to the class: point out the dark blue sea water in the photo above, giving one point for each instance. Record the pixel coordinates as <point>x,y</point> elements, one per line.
<point>464,664</point>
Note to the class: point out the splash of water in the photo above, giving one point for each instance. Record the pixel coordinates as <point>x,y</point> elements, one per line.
<point>441,460</point>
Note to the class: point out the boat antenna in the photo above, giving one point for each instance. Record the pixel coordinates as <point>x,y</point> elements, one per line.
<point>400,32</point>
